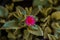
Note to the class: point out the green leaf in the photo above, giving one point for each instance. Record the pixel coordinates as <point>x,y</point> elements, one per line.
<point>34,27</point>
<point>3,12</point>
<point>21,9</point>
<point>51,37</point>
<point>57,8</point>
<point>53,2</point>
<point>39,2</point>
<point>26,35</point>
<point>40,7</point>
<point>57,30</point>
<point>35,11</point>
<point>56,15</point>
<point>11,35</point>
<point>38,32</point>
<point>56,35</point>
<point>10,24</point>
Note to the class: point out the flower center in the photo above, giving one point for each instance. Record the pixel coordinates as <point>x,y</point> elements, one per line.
<point>30,20</point>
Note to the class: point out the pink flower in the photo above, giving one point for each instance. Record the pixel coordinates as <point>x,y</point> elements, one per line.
<point>30,21</point>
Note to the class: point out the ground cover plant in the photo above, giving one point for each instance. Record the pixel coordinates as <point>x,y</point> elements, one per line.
<point>29,20</point>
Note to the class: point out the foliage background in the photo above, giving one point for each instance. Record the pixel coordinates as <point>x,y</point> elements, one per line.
<point>47,27</point>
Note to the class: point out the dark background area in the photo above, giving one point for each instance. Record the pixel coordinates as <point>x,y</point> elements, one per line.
<point>25,3</point>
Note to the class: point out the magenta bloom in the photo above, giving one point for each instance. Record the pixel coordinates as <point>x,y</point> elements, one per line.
<point>30,20</point>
